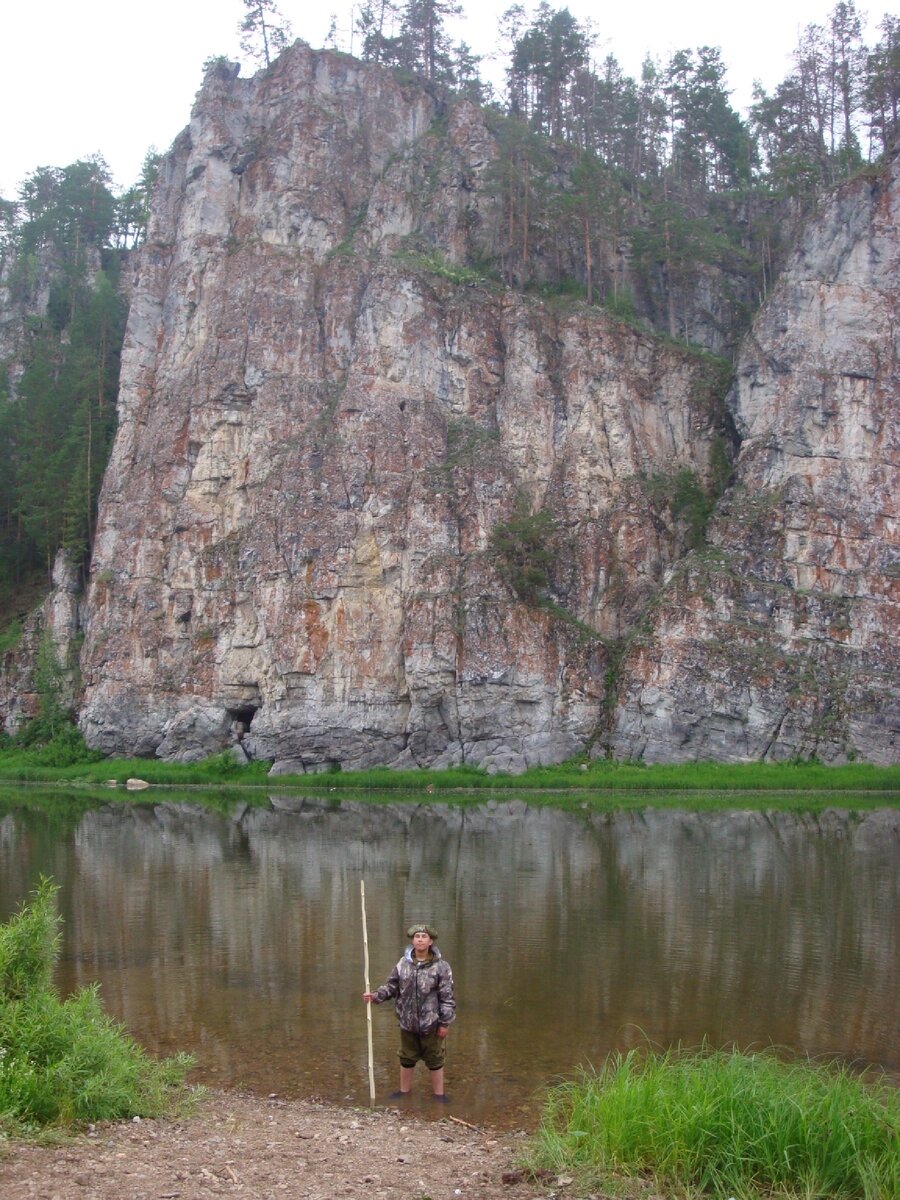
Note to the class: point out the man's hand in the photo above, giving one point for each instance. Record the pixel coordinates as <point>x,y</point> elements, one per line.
<point>442,1031</point>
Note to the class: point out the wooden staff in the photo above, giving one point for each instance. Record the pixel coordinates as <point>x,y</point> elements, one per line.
<point>362,894</point>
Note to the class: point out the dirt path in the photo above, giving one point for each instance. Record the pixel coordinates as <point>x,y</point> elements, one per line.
<point>245,1146</point>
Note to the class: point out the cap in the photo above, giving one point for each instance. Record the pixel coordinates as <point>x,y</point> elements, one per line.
<point>429,929</point>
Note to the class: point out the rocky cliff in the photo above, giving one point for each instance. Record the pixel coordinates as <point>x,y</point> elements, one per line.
<point>781,639</point>
<point>367,506</point>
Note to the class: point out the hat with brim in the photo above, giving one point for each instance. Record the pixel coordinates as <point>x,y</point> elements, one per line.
<point>429,929</point>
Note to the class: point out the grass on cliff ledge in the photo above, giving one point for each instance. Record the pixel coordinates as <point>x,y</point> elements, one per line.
<point>723,1123</point>
<point>807,784</point>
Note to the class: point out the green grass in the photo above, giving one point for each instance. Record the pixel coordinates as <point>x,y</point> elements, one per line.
<point>600,784</point>
<point>65,1062</point>
<point>725,1124</point>
<point>39,764</point>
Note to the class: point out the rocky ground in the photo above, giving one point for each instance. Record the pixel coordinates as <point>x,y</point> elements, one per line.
<point>238,1145</point>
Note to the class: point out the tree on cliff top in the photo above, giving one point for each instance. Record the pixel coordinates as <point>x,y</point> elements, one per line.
<point>264,31</point>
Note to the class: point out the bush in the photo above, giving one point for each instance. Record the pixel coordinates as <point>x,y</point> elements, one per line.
<point>66,1062</point>
<point>29,943</point>
<point>524,549</point>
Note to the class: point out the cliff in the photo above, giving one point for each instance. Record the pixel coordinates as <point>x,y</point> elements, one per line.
<point>782,638</point>
<point>366,505</point>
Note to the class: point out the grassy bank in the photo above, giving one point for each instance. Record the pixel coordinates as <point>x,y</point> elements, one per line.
<point>724,1124</point>
<point>22,764</point>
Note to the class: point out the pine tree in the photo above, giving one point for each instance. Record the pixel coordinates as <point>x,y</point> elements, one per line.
<point>426,47</point>
<point>264,31</point>
<point>545,62</point>
<point>376,23</point>
<point>882,88</point>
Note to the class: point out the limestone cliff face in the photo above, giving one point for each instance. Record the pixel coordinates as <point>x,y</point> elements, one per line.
<point>783,638</point>
<point>320,428</point>
<point>325,419</point>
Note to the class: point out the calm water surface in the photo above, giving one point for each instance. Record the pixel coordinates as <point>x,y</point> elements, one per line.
<point>239,937</point>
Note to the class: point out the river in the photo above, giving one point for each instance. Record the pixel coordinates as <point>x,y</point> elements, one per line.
<point>237,935</point>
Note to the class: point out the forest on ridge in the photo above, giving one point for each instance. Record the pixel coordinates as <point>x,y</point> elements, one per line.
<point>631,193</point>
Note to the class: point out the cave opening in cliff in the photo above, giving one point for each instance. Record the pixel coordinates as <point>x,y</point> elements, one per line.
<point>241,717</point>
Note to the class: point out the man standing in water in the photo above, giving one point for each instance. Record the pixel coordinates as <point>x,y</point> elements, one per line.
<point>422,983</point>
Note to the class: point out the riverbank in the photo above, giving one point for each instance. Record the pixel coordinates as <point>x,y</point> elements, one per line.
<point>597,784</point>
<point>240,1145</point>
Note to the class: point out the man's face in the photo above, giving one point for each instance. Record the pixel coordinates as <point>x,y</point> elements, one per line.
<point>422,942</point>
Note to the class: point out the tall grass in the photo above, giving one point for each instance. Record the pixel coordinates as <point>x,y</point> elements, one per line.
<point>725,1123</point>
<point>65,1062</point>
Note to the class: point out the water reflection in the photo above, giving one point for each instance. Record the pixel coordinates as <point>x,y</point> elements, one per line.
<point>239,936</point>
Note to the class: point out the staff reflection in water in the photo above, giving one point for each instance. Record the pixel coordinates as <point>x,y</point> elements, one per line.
<point>422,984</point>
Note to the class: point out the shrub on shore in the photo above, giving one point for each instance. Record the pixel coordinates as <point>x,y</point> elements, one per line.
<point>725,1123</point>
<point>65,1062</point>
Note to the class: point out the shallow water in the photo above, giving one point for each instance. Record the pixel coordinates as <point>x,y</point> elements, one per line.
<point>239,938</point>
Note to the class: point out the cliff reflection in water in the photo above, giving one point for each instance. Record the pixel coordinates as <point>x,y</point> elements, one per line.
<point>569,935</point>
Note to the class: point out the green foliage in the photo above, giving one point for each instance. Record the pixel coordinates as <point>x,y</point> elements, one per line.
<point>50,738</point>
<point>10,637</point>
<point>435,264</point>
<point>65,1062</point>
<point>467,441</point>
<point>686,499</point>
<point>56,426</point>
<point>622,306</point>
<point>723,1123</point>
<point>64,748</point>
<point>264,31</point>
<point>524,548</point>
<point>52,715</point>
<point>546,59</point>
<point>29,943</point>
<point>133,206</point>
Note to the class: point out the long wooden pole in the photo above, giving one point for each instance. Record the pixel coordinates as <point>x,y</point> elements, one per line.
<point>362,895</point>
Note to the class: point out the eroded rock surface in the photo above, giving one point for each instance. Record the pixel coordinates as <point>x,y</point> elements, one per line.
<point>319,432</point>
<point>325,419</point>
<point>782,639</point>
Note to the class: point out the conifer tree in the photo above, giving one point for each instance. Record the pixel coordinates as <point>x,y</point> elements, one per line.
<point>426,46</point>
<point>882,88</point>
<point>376,23</point>
<point>56,424</point>
<point>264,31</point>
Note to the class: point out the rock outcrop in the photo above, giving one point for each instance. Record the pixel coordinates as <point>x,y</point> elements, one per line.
<point>782,638</point>
<point>327,420</point>
<point>53,627</point>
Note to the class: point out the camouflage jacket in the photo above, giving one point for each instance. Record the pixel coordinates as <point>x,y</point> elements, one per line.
<point>424,992</point>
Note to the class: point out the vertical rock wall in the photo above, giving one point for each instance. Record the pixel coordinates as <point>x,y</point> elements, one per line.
<point>782,638</point>
<point>319,430</point>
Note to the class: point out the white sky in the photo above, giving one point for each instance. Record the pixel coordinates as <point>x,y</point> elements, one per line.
<point>116,77</point>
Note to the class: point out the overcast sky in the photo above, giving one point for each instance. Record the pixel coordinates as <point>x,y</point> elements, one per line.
<point>79,77</point>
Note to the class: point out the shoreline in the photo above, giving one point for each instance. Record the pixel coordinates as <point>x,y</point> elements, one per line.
<point>250,1146</point>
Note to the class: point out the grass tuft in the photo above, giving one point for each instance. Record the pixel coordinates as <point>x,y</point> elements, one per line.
<point>724,1123</point>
